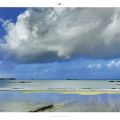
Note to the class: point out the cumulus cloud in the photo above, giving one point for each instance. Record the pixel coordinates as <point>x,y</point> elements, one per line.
<point>113,63</point>
<point>97,66</point>
<point>1,20</point>
<point>50,34</point>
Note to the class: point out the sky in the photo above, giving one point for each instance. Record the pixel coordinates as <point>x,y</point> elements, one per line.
<point>60,43</point>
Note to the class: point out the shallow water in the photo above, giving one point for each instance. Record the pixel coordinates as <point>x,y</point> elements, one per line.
<point>15,101</point>
<point>18,101</point>
<point>59,84</point>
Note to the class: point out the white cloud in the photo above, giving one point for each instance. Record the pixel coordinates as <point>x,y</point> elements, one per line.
<point>97,66</point>
<point>112,31</point>
<point>113,63</point>
<point>1,20</point>
<point>49,34</point>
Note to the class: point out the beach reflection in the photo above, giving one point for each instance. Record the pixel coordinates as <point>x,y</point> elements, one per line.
<point>13,101</point>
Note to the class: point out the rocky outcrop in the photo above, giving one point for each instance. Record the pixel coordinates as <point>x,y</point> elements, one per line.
<point>41,109</point>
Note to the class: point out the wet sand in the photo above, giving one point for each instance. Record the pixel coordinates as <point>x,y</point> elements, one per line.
<point>79,92</point>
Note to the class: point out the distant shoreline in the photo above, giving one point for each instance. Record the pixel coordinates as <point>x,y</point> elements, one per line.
<point>7,78</point>
<point>57,79</point>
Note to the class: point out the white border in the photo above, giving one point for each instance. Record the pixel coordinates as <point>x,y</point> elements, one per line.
<point>59,116</point>
<point>64,3</point>
<point>54,115</point>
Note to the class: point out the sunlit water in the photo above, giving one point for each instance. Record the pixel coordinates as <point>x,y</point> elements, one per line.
<point>13,101</point>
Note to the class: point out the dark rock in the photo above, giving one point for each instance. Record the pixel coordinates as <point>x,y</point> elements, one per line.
<point>117,84</point>
<point>17,88</point>
<point>86,88</point>
<point>20,81</point>
<point>43,108</point>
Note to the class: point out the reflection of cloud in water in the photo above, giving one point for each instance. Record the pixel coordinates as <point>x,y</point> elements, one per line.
<point>16,101</point>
